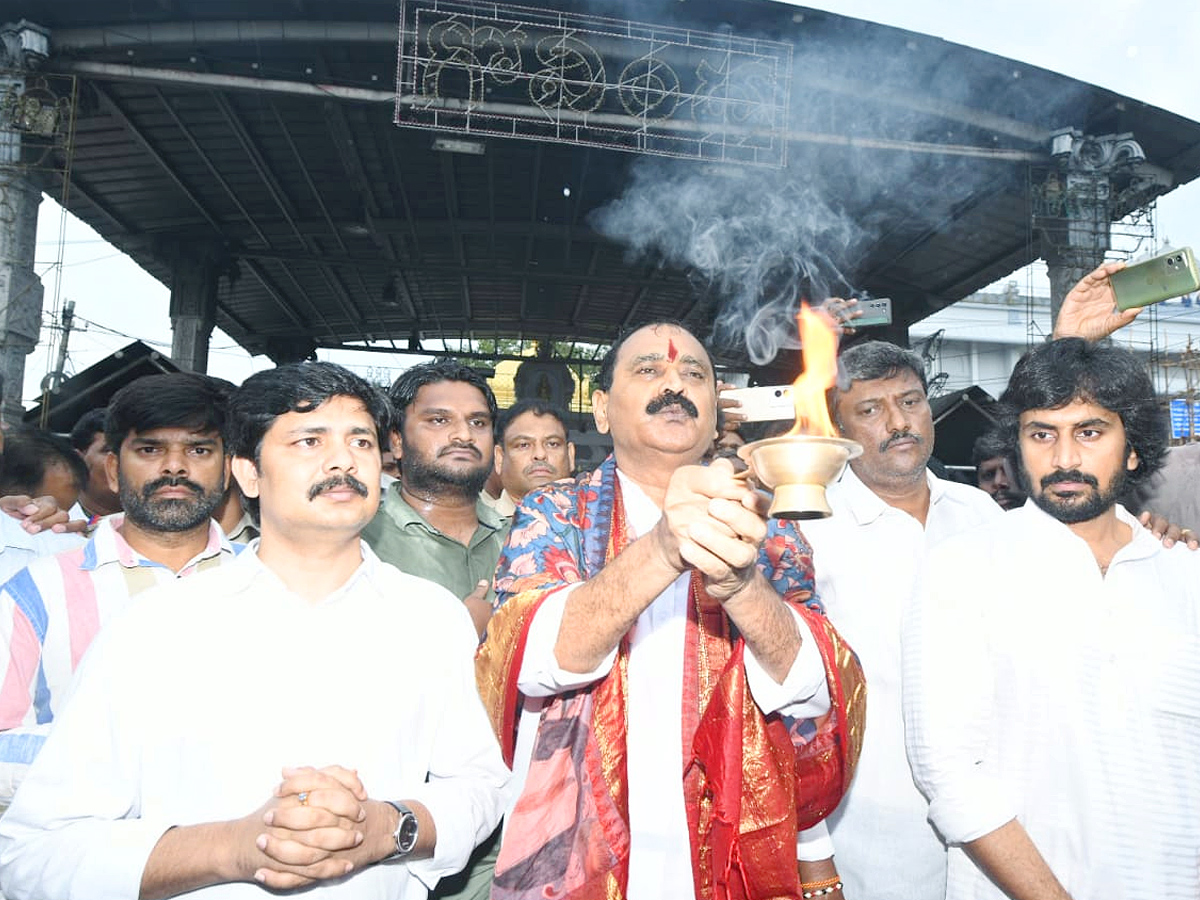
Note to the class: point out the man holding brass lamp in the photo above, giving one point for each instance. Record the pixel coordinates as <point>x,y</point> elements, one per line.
<point>654,591</point>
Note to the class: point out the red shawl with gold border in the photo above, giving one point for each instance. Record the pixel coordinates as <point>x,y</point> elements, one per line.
<point>752,781</point>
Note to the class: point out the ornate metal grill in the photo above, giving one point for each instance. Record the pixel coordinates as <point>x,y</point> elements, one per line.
<point>488,69</point>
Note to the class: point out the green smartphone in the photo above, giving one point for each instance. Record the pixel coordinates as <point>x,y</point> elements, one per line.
<point>1170,274</point>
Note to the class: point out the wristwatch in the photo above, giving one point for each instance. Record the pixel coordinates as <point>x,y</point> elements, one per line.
<point>405,834</point>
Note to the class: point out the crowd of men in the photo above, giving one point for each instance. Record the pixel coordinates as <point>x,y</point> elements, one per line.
<point>255,663</point>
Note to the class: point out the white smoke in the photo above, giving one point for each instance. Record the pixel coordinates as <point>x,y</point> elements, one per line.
<point>762,239</point>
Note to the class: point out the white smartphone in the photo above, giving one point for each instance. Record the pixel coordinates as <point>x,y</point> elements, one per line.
<point>770,403</point>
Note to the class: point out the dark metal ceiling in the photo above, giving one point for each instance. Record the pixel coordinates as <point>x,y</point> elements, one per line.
<point>335,227</point>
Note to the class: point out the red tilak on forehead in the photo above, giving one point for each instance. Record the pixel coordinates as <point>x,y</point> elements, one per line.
<point>672,351</point>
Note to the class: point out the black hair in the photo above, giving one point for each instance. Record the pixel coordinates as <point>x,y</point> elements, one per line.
<point>987,446</point>
<point>869,361</point>
<point>89,425</point>
<point>403,391</point>
<point>174,400</point>
<point>535,406</point>
<point>296,387</point>
<point>29,452</point>
<point>1060,372</point>
<point>879,359</point>
<point>608,364</point>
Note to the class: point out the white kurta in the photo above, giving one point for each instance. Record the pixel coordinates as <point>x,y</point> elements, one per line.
<point>660,856</point>
<point>868,558</point>
<point>1039,689</point>
<point>188,706</point>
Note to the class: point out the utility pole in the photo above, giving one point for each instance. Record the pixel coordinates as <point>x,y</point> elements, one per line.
<point>1188,363</point>
<point>51,382</point>
<point>68,318</point>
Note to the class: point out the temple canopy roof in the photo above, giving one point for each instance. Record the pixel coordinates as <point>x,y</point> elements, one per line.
<point>259,137</point>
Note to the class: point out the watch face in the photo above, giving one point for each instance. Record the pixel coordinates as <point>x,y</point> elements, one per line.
<point>406,833</point>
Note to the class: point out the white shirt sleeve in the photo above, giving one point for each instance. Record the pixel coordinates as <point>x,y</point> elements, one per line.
<point>947,698</point>
<point>73,830</point>
<point>466,791</point>
<point>804,693</point>
<point>541,675</point>
<point>814,844</point>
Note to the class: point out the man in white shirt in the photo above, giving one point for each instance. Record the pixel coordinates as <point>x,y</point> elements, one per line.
<point>888,509</point>
<point>1053,719</point>
<point>170,769</point>
<point>654,671</point>
<point>532,450</point>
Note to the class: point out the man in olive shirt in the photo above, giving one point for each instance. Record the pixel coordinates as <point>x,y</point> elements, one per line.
<point>431,523</point>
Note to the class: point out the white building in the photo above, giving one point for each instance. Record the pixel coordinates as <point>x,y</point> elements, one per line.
<point>978,340</point>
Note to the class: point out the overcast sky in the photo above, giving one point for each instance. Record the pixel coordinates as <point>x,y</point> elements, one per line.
<point>1138,48</point>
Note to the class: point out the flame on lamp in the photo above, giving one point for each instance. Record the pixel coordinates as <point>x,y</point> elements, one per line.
<point>818,349</point>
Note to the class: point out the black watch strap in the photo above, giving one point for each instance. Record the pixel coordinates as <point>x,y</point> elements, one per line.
<point>405,834</point>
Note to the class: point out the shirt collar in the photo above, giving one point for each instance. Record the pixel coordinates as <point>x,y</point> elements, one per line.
<point>866,506</point>
<point>400,512</point>
<point>641,512</point>
<point>107,545</point>
<point>505,505</point>
<point>244,524</point>
<point>1142,544</point>
<point>248,568</point>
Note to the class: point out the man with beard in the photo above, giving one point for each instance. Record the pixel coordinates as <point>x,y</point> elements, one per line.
<point>532,450</point>
<point>432,523</point>
<point>1052,662</point>
<point>673,709</point>
<point>993,471</point>
<point>176,769</point>
<point>169,469</point>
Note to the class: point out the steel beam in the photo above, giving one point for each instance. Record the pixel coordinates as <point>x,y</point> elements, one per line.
<point>145,143</point>
<point>212,167</point>
<point>78,186</point>
<point>122,71</point>
<point>448,271</point>
<point>276,294</point>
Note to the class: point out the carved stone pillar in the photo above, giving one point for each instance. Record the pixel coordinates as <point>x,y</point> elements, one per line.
<point>1074,208</point>
<point>22,46</point>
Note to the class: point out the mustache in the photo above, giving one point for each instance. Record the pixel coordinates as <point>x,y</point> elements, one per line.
<point>898,436</point>
<point>453,447</point>
<point>338,481</point>
<point>671,398</point>
<point>168,481</point>
<point>1073,475</point>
